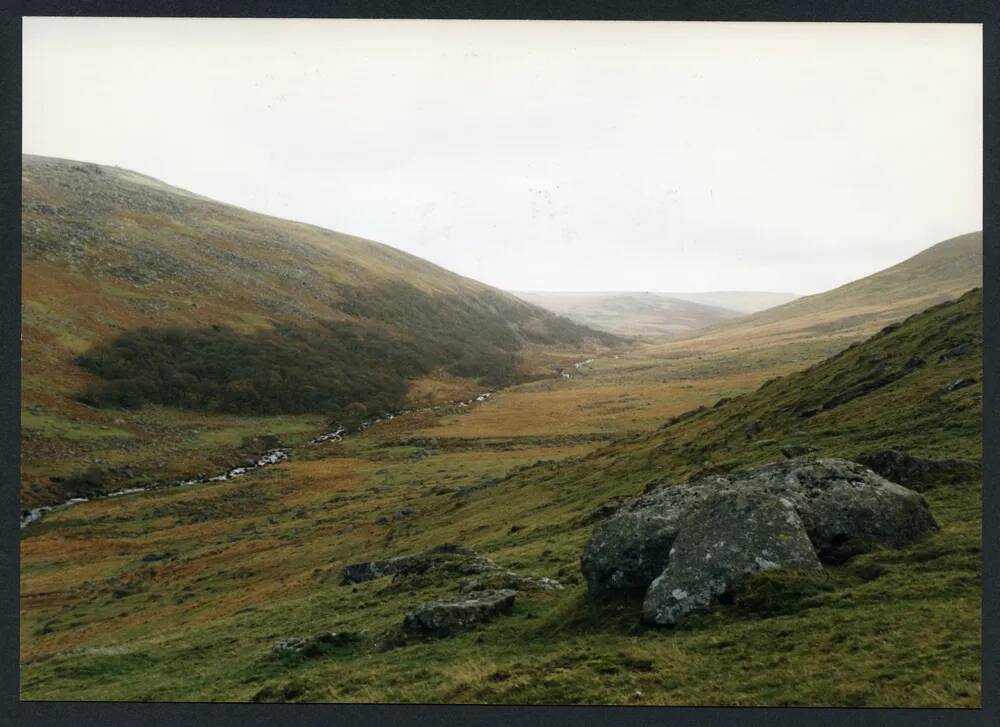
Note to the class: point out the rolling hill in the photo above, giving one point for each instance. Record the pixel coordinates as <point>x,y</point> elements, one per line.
<point>138,293</point>
<point>941,272</point>
<point>631,314</point>
<point>813,327</point>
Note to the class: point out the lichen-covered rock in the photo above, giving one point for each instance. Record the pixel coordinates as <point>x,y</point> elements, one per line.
<point>447,617</point>
<point>628,550</point>
<point>844,507</point>
<point>730,536</point>
<point>403,564</point>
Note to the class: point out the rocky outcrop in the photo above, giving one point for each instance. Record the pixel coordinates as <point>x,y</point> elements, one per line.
<point>402,565</point>
<point>447,617</point>
<point>727,538</point>
<point>840,508</point>
<point>919,473</point>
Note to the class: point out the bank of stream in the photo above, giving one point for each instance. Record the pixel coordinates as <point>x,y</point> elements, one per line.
<point>269,458</point>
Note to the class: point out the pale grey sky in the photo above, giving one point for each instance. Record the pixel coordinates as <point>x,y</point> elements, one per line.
<point>544,155</point>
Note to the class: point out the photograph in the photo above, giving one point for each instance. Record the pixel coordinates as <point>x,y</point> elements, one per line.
<point>500,362</point>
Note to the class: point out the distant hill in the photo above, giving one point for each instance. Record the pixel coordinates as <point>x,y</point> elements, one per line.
<point>741,301</point>
<point>818,325</point>
<point>632,314</point>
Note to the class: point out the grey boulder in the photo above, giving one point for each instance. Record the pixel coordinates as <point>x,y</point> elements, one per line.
<point>447,617</point>
<point>723,541</point>
<point>844,507</point>
<point>628,550</point>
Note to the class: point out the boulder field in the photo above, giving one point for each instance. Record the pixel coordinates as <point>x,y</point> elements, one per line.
<point>684,546</point>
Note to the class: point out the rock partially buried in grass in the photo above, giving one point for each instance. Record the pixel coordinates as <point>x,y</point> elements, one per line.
<point>310,645</point>
<point>726,539</point>
<point>447,617</point>
<point>843,507</point>
<point>917,472</point>
<point>505,579</point>
<point>403,564</point>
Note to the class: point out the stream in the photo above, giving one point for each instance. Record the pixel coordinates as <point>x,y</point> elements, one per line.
<point>271,457</point>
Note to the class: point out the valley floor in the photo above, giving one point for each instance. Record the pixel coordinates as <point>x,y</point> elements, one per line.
<point>180,594</point>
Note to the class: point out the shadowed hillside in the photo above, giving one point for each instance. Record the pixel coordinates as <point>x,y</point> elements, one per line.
<point>135,292</point>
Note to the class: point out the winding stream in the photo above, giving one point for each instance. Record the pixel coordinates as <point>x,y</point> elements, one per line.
<point>271,457</point>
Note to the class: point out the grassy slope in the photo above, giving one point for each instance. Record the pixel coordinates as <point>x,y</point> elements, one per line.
<point>857,309</point>
<point>888,628</point>
<point>107,250</point>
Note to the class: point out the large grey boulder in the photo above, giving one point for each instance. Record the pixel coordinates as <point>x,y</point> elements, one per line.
<point>447,617</point>
<point>628,550</point>
<point>844,507</point>
<point>729,537</point>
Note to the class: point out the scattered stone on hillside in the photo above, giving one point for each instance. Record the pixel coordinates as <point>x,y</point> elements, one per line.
<point>844,507</point>
<point>310,645</point>
<point>791,451</point>
<point>730,536</point>
<point>403,513</point>
<point>919,473</point>
<point>962,349</point>
<point>403,564</point>
<point>447,617</point>
<point>508,579</point>
<point>960,383</point>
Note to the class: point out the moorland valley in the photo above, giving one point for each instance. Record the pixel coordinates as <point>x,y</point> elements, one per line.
<point>287,464</point>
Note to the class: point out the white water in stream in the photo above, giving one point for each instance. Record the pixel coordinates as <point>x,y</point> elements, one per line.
<point>271,457</point>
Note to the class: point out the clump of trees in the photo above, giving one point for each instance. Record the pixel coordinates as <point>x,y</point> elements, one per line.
<point>287,370</point>
<point>350,370</point>
<point>342,369</point>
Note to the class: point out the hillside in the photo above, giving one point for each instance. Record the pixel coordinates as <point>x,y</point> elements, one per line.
<point>183,593</point>
<point>631,314</point>
<point>137,294</point>
<point>941,272</point>
<point>794,335</point>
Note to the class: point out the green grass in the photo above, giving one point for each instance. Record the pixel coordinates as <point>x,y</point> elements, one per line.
<point>52,425</point>
<point>888,628</point>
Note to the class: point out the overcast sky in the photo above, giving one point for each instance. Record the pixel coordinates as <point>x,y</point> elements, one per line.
<point>544,155</point>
